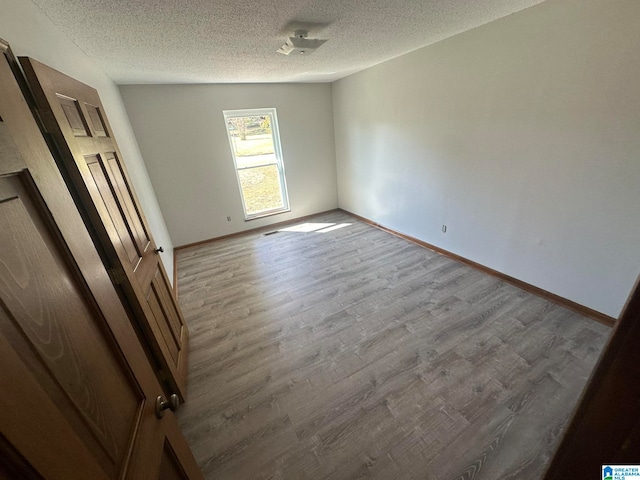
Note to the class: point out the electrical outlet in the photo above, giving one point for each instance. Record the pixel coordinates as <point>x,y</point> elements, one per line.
<point>229,219</point>
<point>444,229</point>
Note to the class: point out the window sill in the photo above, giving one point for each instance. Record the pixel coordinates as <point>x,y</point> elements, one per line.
<point>266,214</point>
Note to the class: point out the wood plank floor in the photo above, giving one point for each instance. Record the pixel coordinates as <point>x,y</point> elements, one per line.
<point>351,353</point>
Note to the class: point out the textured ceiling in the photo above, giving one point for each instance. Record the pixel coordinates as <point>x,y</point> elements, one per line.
<point>231,41</point>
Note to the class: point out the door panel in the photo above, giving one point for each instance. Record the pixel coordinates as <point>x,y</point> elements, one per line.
<point>125,200</point>
<point>170,467</point>
<point>78,392</point>
<point>56,332</point>
<point>97,122</point>
<point>73,114</point>
<point>169,307</point>
<point>166,316</point>
<point>101,192</point>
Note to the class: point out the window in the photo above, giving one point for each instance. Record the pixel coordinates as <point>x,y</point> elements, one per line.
<point>257,156</point>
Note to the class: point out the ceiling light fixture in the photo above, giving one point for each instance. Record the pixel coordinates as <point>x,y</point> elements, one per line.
<point>300,44</point>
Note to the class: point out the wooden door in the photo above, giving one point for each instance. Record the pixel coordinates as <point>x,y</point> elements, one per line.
<point>73,114</point>
<point>78,392</point>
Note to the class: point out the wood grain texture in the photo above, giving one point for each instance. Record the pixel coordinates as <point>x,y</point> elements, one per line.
<point>77,389</point>
<point>565,302</point>
<point>605,428</point>
<point>89,158</point>
<point>352,353</point>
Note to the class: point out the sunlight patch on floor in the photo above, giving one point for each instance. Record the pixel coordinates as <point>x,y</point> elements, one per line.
<point>314,227</point>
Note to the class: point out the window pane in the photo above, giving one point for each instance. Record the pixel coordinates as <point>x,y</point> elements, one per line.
<point>261,189</point>
<point>251,137</point>
<point>257,155</point>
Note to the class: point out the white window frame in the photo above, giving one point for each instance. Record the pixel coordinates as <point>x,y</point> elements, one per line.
<point>279,162</point>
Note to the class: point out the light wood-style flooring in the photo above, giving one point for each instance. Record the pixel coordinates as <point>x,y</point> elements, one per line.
<point>351,353</point>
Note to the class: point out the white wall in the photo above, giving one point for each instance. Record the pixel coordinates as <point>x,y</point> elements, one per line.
<point>31,33</point>
<point>181,133</point>
<point>522,136</point>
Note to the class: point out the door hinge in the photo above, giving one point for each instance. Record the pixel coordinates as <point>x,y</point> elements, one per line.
<point>117,275</point>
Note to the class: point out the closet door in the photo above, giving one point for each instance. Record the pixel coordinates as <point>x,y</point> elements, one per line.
<point>73,114</point>
<point>78,393</point>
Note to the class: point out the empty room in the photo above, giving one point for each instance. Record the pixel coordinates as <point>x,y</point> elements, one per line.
<point>320,240</point>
